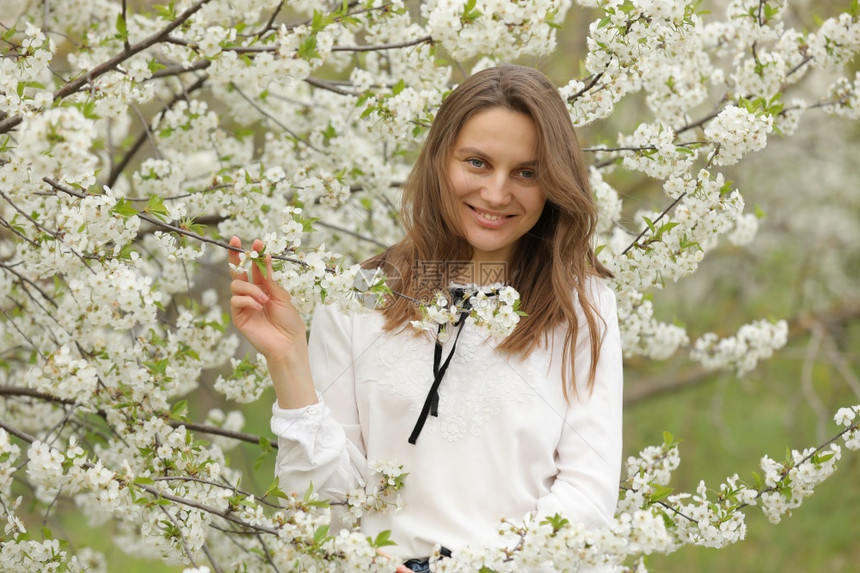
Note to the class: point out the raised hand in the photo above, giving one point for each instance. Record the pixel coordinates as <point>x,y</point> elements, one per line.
<point>263,313</point>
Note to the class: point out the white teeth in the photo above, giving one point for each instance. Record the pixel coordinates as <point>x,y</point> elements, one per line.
<point>488,216</point>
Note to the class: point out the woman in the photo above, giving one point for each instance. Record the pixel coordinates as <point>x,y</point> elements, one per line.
<point>528,424</point>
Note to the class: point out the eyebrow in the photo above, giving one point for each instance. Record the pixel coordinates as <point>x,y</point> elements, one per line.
<point>476,151</point>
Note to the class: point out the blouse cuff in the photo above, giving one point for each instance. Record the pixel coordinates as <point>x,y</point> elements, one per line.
<point>292,423</point>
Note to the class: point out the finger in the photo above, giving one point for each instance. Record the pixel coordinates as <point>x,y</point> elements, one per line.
<point>269,271</point>
<point>256,273</point>
<point>400,568</point>
<point>239,303</point>
<point>268,282</point>
<point>244,288</point>
<point>233,259</point>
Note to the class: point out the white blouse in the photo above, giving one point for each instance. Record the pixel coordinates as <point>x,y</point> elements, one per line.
<point>505,442</point>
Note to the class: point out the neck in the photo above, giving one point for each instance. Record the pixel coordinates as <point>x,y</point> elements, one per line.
<point>480,272</point>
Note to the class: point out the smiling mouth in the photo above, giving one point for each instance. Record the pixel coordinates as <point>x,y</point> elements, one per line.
<point>488,216</point>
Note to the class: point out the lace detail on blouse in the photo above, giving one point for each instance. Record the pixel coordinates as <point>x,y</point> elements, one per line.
<point>479,386</point>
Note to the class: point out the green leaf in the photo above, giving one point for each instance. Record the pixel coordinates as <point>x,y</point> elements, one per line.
<point>470,12</point>
<point>265,450</point>
<point>317,22</point>
<point>260,263</point>
<point>155,65</point>
<point>124,209</point>
<point>88,108</point>
<point>320,534</point>
<point>125,252</point>
<point>121,28</point>
<point>143,480</point>
<point>382,539</point>
<point>308,48</point>
<point>179,410</point>
<point>167,12</point>
<point>157,366</point>
<point>556,521</point>
<point>758,482</point>
<point>368,110</point>
<point>265,444</point>
<point>661,492</point>
<point>188,224</point>
<point>155,206</point>
<point>650,224</point>
<point>275,490</point>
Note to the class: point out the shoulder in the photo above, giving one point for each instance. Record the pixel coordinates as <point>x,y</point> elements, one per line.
<point>333,320</point>
<point>599,294</point>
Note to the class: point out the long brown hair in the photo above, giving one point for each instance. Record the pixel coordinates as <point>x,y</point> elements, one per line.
<point>551,260</point>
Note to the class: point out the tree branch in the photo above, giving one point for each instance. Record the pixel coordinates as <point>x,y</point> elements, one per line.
<point>380,47</point>
<point>111,64</point>
<point>17,391</point>
<point>118,168</point>
<point>644,389</point>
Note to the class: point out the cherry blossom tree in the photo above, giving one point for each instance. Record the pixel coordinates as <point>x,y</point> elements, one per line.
<point>136,138</point>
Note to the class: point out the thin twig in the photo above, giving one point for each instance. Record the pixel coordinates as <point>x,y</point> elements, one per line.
<point>376,242</point>
<point>117,170</point>
<point>272,118</point>
<point>22,333</point>
<point>211,558</point>
<point>28,281</point>
<point>380,47</point>
<point>193,426</point>
<point>181,536</point>
<point>588,85</point>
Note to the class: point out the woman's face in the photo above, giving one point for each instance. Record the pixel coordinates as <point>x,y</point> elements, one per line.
<point>492,170</point>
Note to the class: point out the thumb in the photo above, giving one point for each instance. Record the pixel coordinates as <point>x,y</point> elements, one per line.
<point>272,286</point>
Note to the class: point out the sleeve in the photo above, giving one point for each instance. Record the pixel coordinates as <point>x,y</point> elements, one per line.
<point>321,444</point>
<point>589,450</point>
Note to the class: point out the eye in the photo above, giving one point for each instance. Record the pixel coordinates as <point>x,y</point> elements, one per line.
<point>475,162</point>
<point>528,173</point>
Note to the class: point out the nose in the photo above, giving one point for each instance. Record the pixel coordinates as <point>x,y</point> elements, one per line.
<point>495,191</point>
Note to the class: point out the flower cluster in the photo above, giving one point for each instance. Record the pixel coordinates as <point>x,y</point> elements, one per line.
<point>21,76</point>
<point>752,343</point>
<point>493,309</point>
<point>375,496</point>
<point>737,131</point>
<point>848,417</point>
<point>464,27</point>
